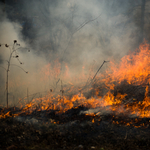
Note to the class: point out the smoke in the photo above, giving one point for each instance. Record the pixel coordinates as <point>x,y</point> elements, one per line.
<point>79,34</point>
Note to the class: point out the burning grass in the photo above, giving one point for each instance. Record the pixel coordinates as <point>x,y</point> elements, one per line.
<point>111,103</point>
<point>123,83</point>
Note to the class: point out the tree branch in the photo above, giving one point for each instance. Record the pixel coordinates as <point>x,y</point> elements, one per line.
<point>19,67</point>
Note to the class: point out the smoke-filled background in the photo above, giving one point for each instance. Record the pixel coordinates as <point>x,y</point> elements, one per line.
<point>68,41</point>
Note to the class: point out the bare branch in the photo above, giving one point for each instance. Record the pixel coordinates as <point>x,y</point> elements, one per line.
<point>85,23</point>
<point>19,67</point>
<point>3,67</point>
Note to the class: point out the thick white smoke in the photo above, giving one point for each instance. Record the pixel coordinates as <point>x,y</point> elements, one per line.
<point>79,34</point>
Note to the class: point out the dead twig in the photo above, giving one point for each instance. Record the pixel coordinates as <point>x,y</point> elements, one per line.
<point>84,23</point>
<point>94,76</point>
<point>99,69</point>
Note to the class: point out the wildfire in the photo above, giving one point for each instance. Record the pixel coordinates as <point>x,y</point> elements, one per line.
<point>133,70</point>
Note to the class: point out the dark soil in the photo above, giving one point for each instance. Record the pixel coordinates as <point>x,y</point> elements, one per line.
<point>77,133</point>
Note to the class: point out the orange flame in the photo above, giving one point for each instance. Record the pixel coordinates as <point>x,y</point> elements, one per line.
<point>133,68</point>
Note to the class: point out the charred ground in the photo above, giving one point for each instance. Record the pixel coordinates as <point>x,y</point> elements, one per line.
<point>73,130</point>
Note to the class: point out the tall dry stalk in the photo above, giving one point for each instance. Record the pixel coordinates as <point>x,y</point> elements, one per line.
<point>13,54</point>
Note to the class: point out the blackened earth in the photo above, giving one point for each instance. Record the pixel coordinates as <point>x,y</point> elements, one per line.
<point>74,131</point>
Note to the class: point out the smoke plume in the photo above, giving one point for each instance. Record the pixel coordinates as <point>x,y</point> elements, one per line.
<point>67,39</point>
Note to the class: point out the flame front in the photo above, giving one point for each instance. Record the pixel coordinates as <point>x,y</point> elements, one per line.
<point>133,69</point>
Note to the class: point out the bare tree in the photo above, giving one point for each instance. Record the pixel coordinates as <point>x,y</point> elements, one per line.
<point>13,54</point>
